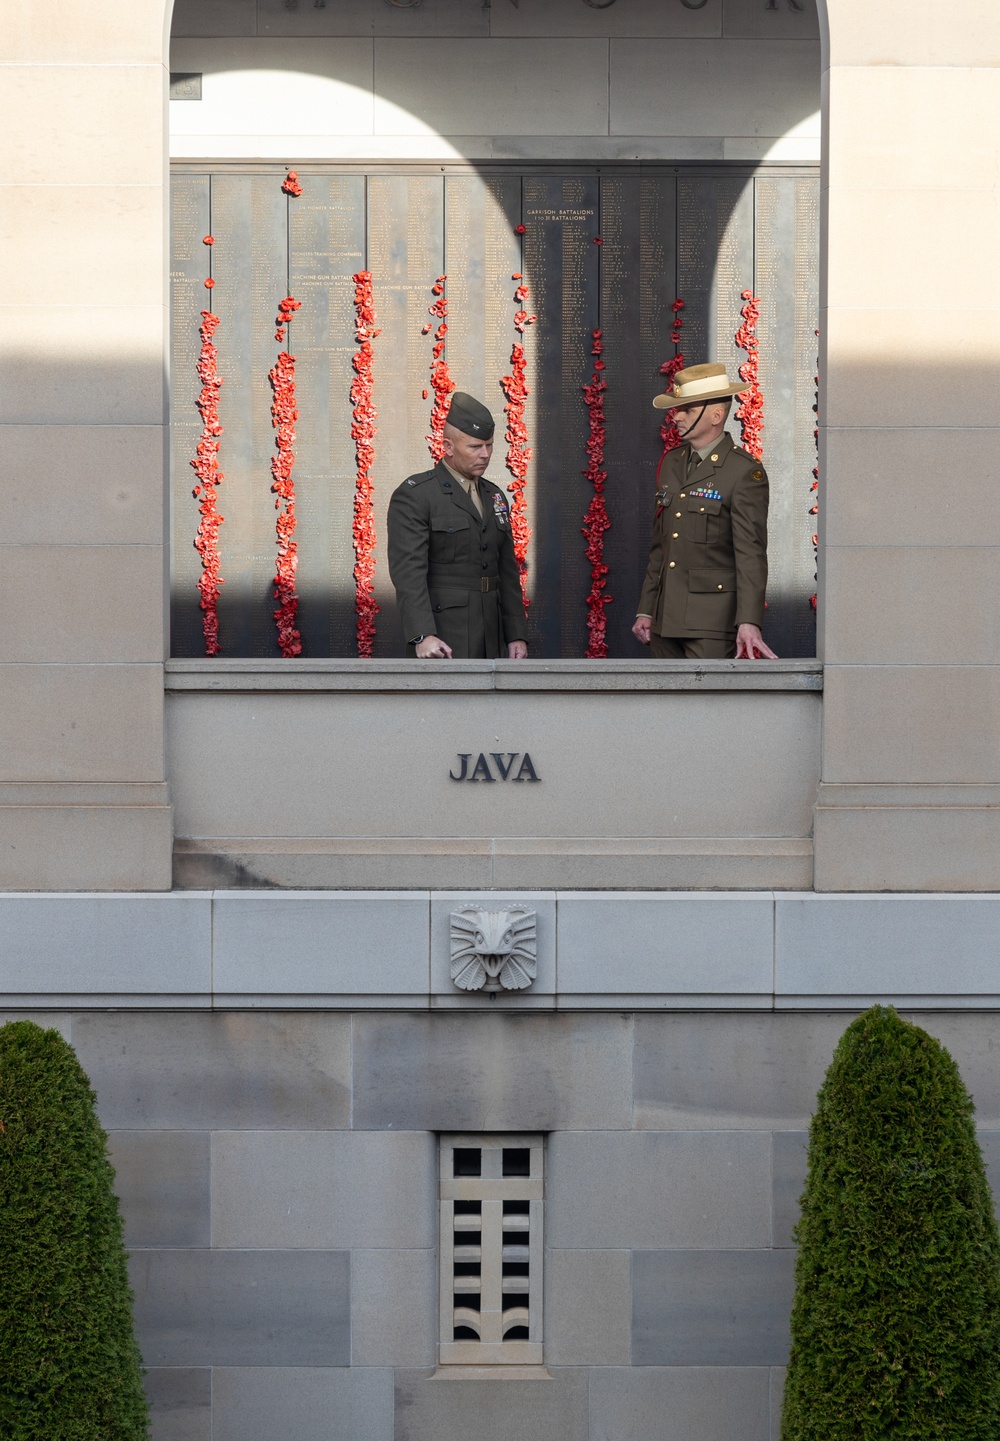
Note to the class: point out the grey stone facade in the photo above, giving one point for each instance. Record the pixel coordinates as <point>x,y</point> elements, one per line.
<point>278,1174</point>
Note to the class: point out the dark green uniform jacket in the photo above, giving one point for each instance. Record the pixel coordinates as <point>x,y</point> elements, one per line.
<point>454,570</point>
<point>707,570</point>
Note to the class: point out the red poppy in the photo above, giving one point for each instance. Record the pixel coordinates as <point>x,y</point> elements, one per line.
<point>209,284</point>
<point>751,408</point>
<point>363,430</point>
<point>208,240</point>
<point>206,467</point>
<point>515,389</point>
<point>598,240</point>
<point>596,521</point>
<point>520,229</point>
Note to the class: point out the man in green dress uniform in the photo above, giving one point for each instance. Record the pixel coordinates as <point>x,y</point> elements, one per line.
<point>451,552</point>
<point>703,596</point>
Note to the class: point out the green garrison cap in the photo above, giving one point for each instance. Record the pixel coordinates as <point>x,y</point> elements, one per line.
<point>469,415</point>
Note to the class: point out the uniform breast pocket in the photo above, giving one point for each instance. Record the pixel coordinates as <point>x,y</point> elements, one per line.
<point>450,540</point>
<point>704,520</point>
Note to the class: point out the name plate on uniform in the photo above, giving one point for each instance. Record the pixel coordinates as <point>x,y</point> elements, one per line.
<point>494,766</point>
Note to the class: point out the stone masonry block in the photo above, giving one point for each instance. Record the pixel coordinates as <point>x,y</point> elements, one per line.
<point>180,1403</point>
<point>706,1072</point>
<point>777,1395</point>
<point>685,1188</point>
<point>444,991</point>
<point>162,1181</point>
<point>989,1144</point>
<point>199,1072</point>
<point>65,944</point>
<point>312,943</point>
<point>242,1308</point>
<point>663,943</point>
<point>267,1403</point>
<point>324,1189</point>
<point>711,1308</point>
<point>788,1172</point>
<point>679,1403</point>
<point>907,945</point>
<point>501,86</point>
<point>491,1073</point>
<point>394,1319</point>
<point>588,1308</point>
<point>445,1410</point>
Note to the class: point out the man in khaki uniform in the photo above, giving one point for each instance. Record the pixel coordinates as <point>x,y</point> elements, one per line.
<point>451,552</point>
<point>703,596</point>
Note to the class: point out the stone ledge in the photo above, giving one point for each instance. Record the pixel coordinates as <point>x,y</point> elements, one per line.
<point>489,675</point>
<point>710,863</point>
<point>598,950</point>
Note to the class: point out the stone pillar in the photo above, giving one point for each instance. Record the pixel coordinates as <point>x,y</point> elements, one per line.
<point>83,798</point>
<point>910,528</point>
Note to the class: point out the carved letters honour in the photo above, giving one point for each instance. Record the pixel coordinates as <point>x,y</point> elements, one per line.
<point>493,950</point>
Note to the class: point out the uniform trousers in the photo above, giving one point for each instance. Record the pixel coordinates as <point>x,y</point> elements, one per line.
<point>702,647</point>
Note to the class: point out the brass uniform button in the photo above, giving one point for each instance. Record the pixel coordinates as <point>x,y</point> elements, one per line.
<point>702,509</point>
<point>677,514</point>
<point>674,536</point>
<point>715,457</point>
<point>672,564</point>
<point>682,496</point>
<point>718,587</point>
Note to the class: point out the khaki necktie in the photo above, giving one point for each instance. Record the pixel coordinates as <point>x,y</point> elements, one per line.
<point>473,493</point>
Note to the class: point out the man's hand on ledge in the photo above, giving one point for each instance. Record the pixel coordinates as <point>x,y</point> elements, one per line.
<point>641,629</point>
<point>750,644</point>
<point>432,647</point>
<point>517,650</point>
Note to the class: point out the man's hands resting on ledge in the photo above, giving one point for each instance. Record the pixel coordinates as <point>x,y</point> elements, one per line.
<point>432,647</point>
<point>750,644</point>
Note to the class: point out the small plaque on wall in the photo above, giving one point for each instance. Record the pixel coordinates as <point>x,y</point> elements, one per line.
<point>185,85</point>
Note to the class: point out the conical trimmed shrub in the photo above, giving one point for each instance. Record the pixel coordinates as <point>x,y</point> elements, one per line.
<point>896,1320</point>
<point>69,1367</point>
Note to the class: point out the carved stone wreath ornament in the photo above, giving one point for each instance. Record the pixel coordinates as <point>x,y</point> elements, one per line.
<point>493,950</point>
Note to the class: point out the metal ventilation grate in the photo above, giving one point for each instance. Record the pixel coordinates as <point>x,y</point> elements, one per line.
<point>492,1194</point>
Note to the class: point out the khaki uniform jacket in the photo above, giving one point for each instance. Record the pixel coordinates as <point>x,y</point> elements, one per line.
<point>707,570</point>
<point>454,571</point>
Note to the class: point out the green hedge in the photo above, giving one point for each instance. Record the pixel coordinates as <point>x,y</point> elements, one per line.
<point>69,1367</point>
<point>896,1321</point>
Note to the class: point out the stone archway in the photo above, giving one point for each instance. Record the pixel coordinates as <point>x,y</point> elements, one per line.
<point>283,84</point>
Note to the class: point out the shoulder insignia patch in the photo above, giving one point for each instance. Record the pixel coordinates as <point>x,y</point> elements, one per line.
<point>757,474</point>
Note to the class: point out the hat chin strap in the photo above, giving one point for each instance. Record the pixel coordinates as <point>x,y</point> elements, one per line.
<point>684,442</point>
<point>697,422</point>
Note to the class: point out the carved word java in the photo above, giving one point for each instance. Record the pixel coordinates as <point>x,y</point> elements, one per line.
<point>504,764</point>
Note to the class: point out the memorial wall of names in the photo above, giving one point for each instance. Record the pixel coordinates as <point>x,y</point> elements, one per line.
<point>698,232</point>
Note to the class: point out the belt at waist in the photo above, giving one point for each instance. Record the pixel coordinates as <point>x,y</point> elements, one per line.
<point>483,583</point>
